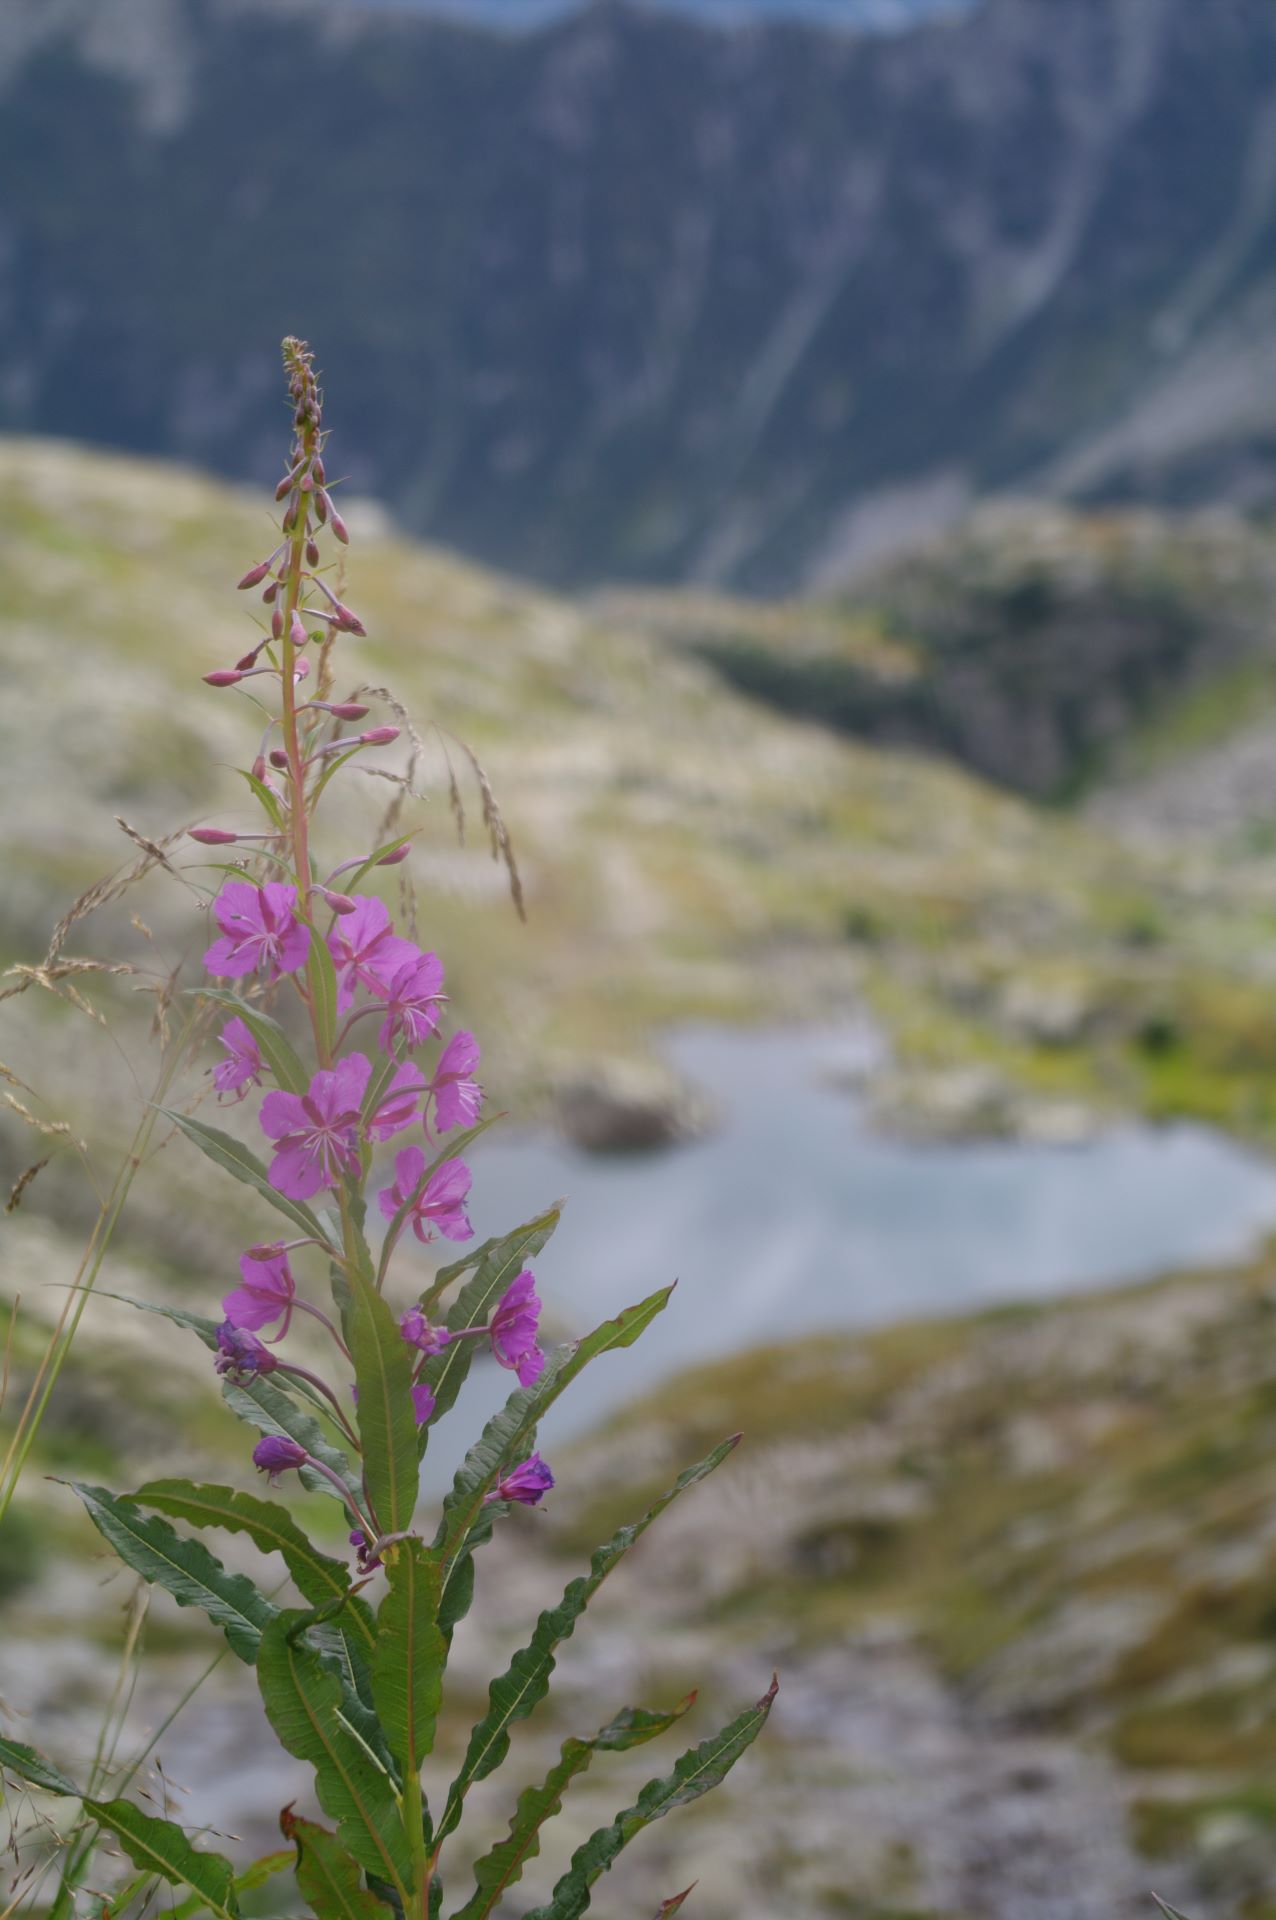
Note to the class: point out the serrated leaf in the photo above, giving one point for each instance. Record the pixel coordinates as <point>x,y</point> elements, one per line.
<point>502,1867</point>
<point>184,1568</point>
<point>513,1426</point>
<point>407,1666</point>
<point>387,1423</point>
<point>231,1155</point>
<point>328,1878</point>
<point>276,1048</point>
<point>525,1682</point>
<point>699,1770</point>
<point>304,1705</point>
<point>271,1410</point>
<point>497,1262</point>
<point>271,1528</point>
<point>34,1768</point>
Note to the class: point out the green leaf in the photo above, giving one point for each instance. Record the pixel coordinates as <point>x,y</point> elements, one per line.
<point>267,799</point>
<point>198,1322</point>
<point>525,1682</point>
<point>326,1875</point>
<point>1171,1913</point>
<point>158,1846</point>
<point>514,1425</point>
<point>34,1768</point>
<point>497,1263</point>
<point>361,872</point>
<point>407,1667</point>
<point>387,1424</point>
<point>322,976</point>
<point>271,1410</point>
<point>276,1048</point>
<point>502,1867</point>
<point>304,1705</point>
<point>271,1528</point>
<point>699,1770</point>
<point>184,1568</point>
<point>227,1152</point>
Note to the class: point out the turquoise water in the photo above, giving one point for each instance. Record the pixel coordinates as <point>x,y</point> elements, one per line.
<point>796,1215</point>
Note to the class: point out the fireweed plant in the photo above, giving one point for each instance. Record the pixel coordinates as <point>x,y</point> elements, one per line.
<point>363,1136</point>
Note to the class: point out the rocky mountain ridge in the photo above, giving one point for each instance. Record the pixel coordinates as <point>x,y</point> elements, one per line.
<point>631,298</point>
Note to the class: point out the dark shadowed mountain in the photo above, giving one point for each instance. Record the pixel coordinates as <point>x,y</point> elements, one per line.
<point>630,297</point>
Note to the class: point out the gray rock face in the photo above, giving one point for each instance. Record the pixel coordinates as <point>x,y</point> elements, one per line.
<point>631,297</point>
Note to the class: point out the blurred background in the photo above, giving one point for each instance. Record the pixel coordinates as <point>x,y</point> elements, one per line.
<point>822,459</point>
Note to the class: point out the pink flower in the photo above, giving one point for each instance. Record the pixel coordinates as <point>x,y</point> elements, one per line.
<point>242,1067</point>
<point>412,996</point>
<point>418,1332</point>
<point>527,1484</point>
<point>513,1330</point>
<point>267,1293</point>
<point>441,1206</point>
<point>457,1097</point>
<point>367,952</point>
<point>422,1402</point>
<point>261,929</point>
<point>399,1105</point>
<point>318,1131</point>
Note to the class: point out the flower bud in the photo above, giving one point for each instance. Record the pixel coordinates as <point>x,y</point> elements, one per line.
<point>339,902</point>
<point>259,767</point>
<point>269,594</point>
<point>249,659</point>
<point>319,472</point>
<point>344,709</point>
<point>224,677</point>
<point>277,1453</point>
<point>255,575</point>
<point>284,486</point>
<point>339,526</point>
<point>213,836</point>
<point>297,630</point>
<point>277,623</point>
<point>278,758</point>
<point>322,504</point>
<point>379,736</point>
<point>394,856</point>
<point>312,553</point>
<point>348,622</point>
<point>300,671</point>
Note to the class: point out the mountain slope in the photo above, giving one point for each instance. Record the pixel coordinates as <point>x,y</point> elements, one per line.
<point>628,297</point>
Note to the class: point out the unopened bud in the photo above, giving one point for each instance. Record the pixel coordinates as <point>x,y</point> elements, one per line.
<point>394,856</point>
<point>312,553</point>
<point>259,767</point>
<point>224,677</point>
<point>297,630</point>
<point>278,758</point>
<point>213,836</point>
<point>319,472</point>
<point>249,659</point>
<point>277,622</point>
<point>379,736</point>
<point>300,671</point>
<point>339,526</point>
<point>268,594</point>
<point>255,575</point>
<point>344,709</point>
<point>284,486</point>
<point>322,504</point>
<point>339,902</point>
<point>347,622</point>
